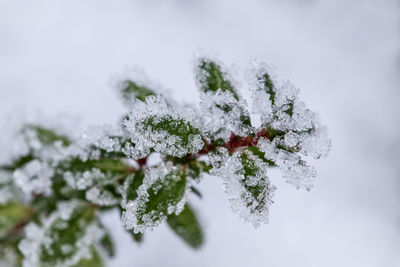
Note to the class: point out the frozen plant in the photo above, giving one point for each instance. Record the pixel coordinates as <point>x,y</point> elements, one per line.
<point>54,184</point>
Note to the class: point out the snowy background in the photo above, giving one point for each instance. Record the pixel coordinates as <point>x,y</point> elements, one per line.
<point>58,56</point>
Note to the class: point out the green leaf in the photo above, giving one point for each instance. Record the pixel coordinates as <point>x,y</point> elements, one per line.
<point>48,136</point>
<point>259,190</point>
<point>166,191</point>
<point>104,164</point>
<point>130,90</point>
<point>187,227</point>
<point>17,163</point>
<point>132,184</point>
<point>94,260</point>
<point>175,127</point>
<point>11,214</point>
<point>107,244</point>
<point>137,237</point>
<point>211,78</point>
<point>161,194</point>
<point>64,235</point>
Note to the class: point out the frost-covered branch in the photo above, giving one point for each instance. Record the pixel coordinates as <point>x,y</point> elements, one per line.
<point>54,184</point>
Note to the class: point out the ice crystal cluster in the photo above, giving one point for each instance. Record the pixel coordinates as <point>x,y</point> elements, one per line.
<point>55,183</point>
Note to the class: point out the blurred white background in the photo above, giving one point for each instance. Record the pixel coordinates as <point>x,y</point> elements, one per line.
<point>344,56</point>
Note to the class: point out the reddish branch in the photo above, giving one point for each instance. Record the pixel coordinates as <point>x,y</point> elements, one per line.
<point>237,142</point>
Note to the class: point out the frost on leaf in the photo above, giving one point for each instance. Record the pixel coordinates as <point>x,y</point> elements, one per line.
<point>164,191</point>
<point>98,182</point>
<point>34,177</point>
<point>210,77</point>
<point>131,90</point>
<point>95,143</point>
<point>67,237</point>
<point>155,125</point>
<point>294,169</point>
<point>246,181</point>
<point>219,102</point>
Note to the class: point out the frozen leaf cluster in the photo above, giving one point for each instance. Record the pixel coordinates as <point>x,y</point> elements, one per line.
<point>155,125</point>
<point>55,182</point>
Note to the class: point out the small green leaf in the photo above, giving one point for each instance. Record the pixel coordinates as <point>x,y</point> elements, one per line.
<point>131,90</point>
<point>48,136</point>
<point>211,78</point>
<point>165,192</point>
<point>259,189</point>
<point>18,163</point>
<point>174,127</point>
<point>137,237</point>
<point>161,194</point>
<point>133,183</point>
<point>64,235</point>
<point>104,164</point>
<point>107,244</point>
<point>187,227</point>
<point>94,260</point>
